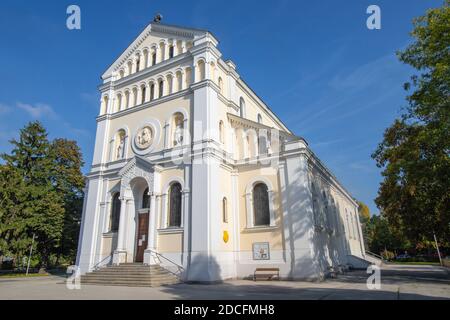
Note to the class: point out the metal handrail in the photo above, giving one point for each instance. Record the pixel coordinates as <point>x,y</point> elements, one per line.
<point>158,255</point>
<point>98,266</point>
<point>374,255</point>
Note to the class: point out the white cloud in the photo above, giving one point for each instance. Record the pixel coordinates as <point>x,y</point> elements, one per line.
<point>38,111</point>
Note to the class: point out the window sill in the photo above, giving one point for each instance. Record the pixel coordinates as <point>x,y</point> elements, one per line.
<point>260,229</point>
<point>171,230</point>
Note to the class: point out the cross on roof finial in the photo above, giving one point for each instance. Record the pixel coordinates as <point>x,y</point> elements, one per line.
<point>158,17</point>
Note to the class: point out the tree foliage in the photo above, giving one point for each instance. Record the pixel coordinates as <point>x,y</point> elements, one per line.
<point>364,212</point>
<point>41,194</point>
<point>414,195</point>
<point>381,236</point>
<point>364,218</point>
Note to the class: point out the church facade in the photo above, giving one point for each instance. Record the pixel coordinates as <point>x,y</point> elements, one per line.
<point>192,171</point>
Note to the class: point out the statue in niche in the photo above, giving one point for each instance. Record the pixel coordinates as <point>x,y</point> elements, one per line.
<point>269,147</point>
<point>144,138</point>
<point>178,135</point>
<point>120,147</point>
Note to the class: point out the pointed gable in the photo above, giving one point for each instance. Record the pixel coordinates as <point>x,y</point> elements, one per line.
<point>150,37</point>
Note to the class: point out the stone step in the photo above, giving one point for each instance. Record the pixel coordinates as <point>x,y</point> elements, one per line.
<point>103,280</point>
<point>130,282</point>
<point>99,277</point>
<point>131,268</point>
<point>130,274</point>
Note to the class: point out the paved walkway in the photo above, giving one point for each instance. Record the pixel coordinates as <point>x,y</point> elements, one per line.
<point>397,282</point>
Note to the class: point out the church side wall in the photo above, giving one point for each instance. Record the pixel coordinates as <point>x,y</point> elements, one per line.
<point>250,235</point>
<point>336,210</point>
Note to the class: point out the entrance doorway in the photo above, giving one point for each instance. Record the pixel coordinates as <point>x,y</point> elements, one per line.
<point>142,227</point>
<point>142,238</point>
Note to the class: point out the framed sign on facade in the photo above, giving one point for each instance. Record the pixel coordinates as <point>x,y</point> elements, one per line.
<point>261,251</point>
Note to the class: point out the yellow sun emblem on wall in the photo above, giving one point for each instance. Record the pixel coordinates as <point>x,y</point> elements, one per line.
<point>226,237</point>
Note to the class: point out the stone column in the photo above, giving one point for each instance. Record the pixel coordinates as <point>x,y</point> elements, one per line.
<point>170,86</point>
<point>186,138</point>
<point>166,135</point>
<point>107,216</point>
<point>182,83</point>
<point>166,50</point>
<point>120,254</point>
<point>147,92</point>
<point>151,244</point>
<point>163,211</point>
<point>152,222</point>
<point>138,97</point>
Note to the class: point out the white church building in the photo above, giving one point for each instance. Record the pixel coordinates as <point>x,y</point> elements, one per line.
<point>193,171</point>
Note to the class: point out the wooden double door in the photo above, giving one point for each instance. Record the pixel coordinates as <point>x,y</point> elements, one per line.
<point>142,237</point>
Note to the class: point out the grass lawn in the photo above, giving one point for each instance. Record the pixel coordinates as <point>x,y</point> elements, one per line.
<point>22,275</point>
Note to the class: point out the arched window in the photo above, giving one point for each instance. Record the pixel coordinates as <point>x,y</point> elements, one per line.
<point>121,73</point>
<point>143,94</point>
<point>212,71</point>
<point>162,51</point>
<point>220,81</point>
<point>115,213</point>
<point>259,118</point>
<point>241,107</point>
<point>152,91</point>
<point>153,58</point>
<point>134,101</point>
<point>188,79</point>
<point>224,210</point>
<point>179,47</point>
<point>175,205</point>
<point>261,205</point>
<point>127,99</point>
<point>145,58</point>
<point>138,64</point>
<point>130,66</point>
<point>347,220</point>
<point>169,84</point>
<point>119,102</point>
<point>221,132</point>
<point>104,106</point>
<point>179,81</point>
<point>161,88</point>
<point>171,50</point>
<point>145,200</point>
<point>201,70</point>
<point>262,144</point>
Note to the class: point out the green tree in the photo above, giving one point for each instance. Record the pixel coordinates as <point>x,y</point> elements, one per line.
<point>40,193</point>
<point>414,195</point>
<point>69,183</point>
<point>13,195</point>
<point>381,236</point>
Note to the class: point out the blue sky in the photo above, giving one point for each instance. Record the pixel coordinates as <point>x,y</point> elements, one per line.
<point>328,77</point>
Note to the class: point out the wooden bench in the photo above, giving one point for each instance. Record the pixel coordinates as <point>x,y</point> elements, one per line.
<point>266,273</point>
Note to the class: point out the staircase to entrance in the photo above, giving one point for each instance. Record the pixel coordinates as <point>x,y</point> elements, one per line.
<point>131,275</point>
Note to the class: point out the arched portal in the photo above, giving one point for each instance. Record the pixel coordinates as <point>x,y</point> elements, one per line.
<point>137,225</point>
